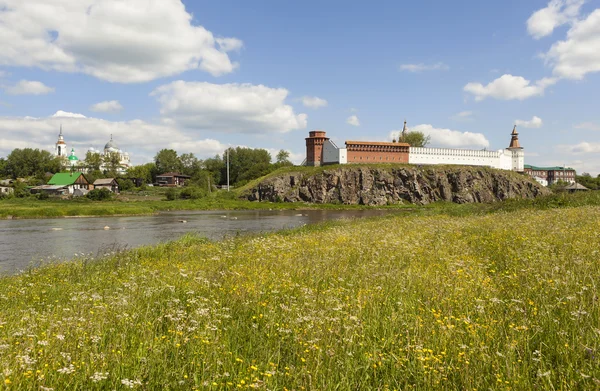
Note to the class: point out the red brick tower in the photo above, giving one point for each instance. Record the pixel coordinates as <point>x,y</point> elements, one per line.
<point>314,147</point>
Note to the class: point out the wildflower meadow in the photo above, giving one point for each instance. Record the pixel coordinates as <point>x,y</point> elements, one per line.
<point>503,301</point>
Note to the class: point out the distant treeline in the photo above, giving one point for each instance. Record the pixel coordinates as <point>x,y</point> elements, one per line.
<point>245,165</point>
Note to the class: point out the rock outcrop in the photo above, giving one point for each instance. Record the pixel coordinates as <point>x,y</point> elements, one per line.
<point>366,185</point>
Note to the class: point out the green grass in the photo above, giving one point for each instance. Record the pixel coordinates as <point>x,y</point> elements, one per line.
<point>31,208</point>
<point>491,301</point>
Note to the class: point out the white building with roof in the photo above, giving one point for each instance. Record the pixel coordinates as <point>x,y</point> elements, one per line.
<point>110,148</point>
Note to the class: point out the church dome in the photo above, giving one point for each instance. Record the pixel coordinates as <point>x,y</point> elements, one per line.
<point>72,157</point>
<point>111,146</point>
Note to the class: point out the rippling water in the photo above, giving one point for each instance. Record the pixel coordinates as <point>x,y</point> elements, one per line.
<point>25,243</point>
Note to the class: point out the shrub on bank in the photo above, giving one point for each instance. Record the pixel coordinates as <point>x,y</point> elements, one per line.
<point>102,194</point>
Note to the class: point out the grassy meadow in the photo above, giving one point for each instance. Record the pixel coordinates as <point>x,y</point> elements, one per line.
<point>494,301</point>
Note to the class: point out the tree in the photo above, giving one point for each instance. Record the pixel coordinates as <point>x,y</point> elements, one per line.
<point>588,181</point>
<point>283,158</point>
<point>215,166</point>
<point>415,139</point>
<point>167,161</point>
<point>190,165</point>
<point>112,162</point>
<point>146,172</point>
<point>2,167</point>
<point>93,161</point>
<point>31,162</point>
<point>246,164</point>
<point>125,184</point>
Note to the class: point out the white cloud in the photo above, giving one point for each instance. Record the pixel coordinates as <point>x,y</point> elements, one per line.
<point>588,126</point>
<point>29,87</point>
<point>448,138</point>
<point>230,44</point>
<point>535,122</point>
<point>233,108</point>
<point>509,87</point>
<point>111,106</point>
<point>558,12</point>
<point>140,138</point>
<point>463,116</point>
<point>440,66</point>
<point>579,53</point>
<point>353,120</point>
<point>66,114</point>
<point>115,40</point>
<point>313,102</point>
<point>581,148</point>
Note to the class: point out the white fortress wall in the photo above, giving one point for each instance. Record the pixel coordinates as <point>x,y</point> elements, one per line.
<point>518,161</point>
<point>506,159</point>
<point>468,157</point>
<point>343,156</point>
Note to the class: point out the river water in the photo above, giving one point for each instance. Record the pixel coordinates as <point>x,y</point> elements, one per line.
<point>26,243</point>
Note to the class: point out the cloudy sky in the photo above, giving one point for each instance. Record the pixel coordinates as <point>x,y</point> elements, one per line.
<point>201,76</point>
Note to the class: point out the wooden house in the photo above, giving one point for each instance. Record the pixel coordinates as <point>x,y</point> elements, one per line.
<point>71,181</point>
<point>107,183</point>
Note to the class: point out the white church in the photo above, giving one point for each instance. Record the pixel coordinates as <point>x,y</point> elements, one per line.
<point>111,147</point>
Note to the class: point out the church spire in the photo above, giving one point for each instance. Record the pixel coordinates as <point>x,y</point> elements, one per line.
<point>404,132</point>
<point>514,141</point>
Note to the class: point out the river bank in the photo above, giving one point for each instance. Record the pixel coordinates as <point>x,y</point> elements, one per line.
<point>40,209</point>
<point>33,209</point>
<point>421,302</point>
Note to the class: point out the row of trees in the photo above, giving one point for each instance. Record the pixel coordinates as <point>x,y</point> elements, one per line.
<point>245,164</point>
<point>27,162</point>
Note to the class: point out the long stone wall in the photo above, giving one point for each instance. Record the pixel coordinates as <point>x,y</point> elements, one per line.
<point>501,159</point>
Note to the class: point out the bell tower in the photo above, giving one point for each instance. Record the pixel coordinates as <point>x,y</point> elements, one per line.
<point>61,146</point>
<point>314,147</point>
<point>518,156</point>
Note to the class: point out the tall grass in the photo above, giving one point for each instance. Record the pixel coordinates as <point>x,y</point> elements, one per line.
<point>493,302</point>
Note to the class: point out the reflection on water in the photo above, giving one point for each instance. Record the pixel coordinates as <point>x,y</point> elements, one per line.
<point>27,242</point>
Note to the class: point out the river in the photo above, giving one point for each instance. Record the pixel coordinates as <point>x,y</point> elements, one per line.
<point>26,243</point>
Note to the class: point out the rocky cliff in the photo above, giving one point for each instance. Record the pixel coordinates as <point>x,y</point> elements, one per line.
<point>374,185</point>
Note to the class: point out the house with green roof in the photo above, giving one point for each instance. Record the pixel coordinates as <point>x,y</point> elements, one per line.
<point>71,181</point>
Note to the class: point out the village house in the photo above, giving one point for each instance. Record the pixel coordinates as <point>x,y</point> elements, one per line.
<point>51,190</point>
<point>172,179</point>
<point>71,181</point>
<point>6,190</point>
<point>107,183</point>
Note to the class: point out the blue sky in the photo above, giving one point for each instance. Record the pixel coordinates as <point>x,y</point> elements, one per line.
<point>201,76</point>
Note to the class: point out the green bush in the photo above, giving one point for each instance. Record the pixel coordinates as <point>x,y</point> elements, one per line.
<point>125,184</point>
<point>193,193</point>
<point>42,196</point>
<point>172,194</point>
<point>99,194</point>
